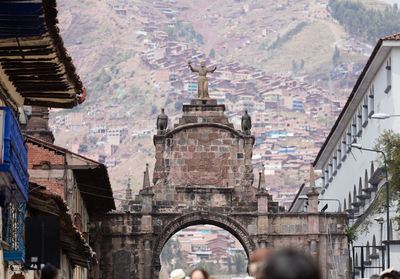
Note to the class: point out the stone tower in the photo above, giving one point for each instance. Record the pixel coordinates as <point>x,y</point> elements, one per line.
<point>38,124</point>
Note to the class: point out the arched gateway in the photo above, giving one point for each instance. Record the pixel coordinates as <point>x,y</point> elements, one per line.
<point>198,218</point>
<point>203,174</point>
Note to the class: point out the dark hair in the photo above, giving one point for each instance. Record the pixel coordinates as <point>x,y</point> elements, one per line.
<point>392,274</point>
<point>291,264</point>
<point>48,272</point>
<point>203,271</point>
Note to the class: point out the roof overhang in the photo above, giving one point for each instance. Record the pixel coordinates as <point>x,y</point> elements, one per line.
<point>373,64</point>
<point>34,65</point>
<point>44,203</point>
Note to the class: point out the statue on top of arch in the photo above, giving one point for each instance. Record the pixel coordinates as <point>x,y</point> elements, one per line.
<point>202,86</point>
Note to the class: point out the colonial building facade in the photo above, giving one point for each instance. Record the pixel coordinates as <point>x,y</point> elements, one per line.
<point>352,177</point>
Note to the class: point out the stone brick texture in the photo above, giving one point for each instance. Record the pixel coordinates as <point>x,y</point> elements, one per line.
<point>203,151</point>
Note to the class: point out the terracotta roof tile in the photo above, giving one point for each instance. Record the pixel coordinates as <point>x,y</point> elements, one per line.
<point>393,37</point>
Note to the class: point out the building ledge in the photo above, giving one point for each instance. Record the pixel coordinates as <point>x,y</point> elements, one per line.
<point>377,176</point>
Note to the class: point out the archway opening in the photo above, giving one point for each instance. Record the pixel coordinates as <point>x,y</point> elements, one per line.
<point>205,246</point>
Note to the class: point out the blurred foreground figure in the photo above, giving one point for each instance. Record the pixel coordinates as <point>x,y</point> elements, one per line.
<point>290,264</point>
<point>177,274</point>
<point>389,274</point>
<point>49,272</point>
<point>199,273</point>
<point>257,262</point>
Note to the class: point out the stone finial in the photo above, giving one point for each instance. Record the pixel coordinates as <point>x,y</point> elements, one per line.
<point>162,122</point>
<point>128,193</point>
<point>261,181</point>
<point>246,123</point>
<point>146,178</point>
<point>312,193</point>
<point>312,177</point>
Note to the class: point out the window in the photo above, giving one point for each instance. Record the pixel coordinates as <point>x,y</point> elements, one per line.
<point>371,100</point>
<point>359,121</point>
<point>330,168</point>
<point>334,162</point>
<point>339,156</point>
<point>326,177</point>
<point>13,229</point>
<point>354,129</point>
<point>388,75</point>
<point>344,147</point>
<point>365,111</point>
<point>348,141</point>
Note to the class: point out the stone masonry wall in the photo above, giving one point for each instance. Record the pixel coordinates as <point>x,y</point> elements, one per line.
<point>205,156</point>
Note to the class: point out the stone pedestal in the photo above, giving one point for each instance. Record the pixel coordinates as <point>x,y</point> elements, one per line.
<point>204,111</point>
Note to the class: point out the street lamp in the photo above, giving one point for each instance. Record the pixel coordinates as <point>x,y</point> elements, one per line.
<point>304,197</point>
<point>383,115</point>
<point>358,146</point>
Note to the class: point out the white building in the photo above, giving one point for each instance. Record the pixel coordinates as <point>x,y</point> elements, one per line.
<point>353,176</point>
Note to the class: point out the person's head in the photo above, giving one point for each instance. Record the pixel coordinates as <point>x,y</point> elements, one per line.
<point>202,63</point>
<point>199,273</point>
<point>257,262</point>
<point>177,274</point>
<point>290,264</point>
<point>49,272</point>
<point>389,274</point>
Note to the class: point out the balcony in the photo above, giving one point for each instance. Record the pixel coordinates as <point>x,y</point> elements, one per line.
<point>13,160</point>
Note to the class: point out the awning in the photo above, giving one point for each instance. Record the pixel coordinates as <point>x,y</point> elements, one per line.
<point>33,57</point>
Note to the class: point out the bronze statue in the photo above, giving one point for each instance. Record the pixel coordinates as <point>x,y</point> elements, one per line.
<point>162,122</point>
<point>202,86</point>
<point>246,123</point>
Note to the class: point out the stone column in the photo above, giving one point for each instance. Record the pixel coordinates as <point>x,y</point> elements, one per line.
<point>262,209</point>
<point>313,216</point>
<point>146,227</point>
<point>147,259</point>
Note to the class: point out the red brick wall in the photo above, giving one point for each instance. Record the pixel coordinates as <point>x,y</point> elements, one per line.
<point>40,160</point>
<point>38,155</point>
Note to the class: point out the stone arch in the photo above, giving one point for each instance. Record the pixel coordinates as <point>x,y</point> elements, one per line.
<point>197,218</point>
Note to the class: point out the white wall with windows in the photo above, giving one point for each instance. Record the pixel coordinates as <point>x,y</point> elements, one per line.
<point>347,171</point>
